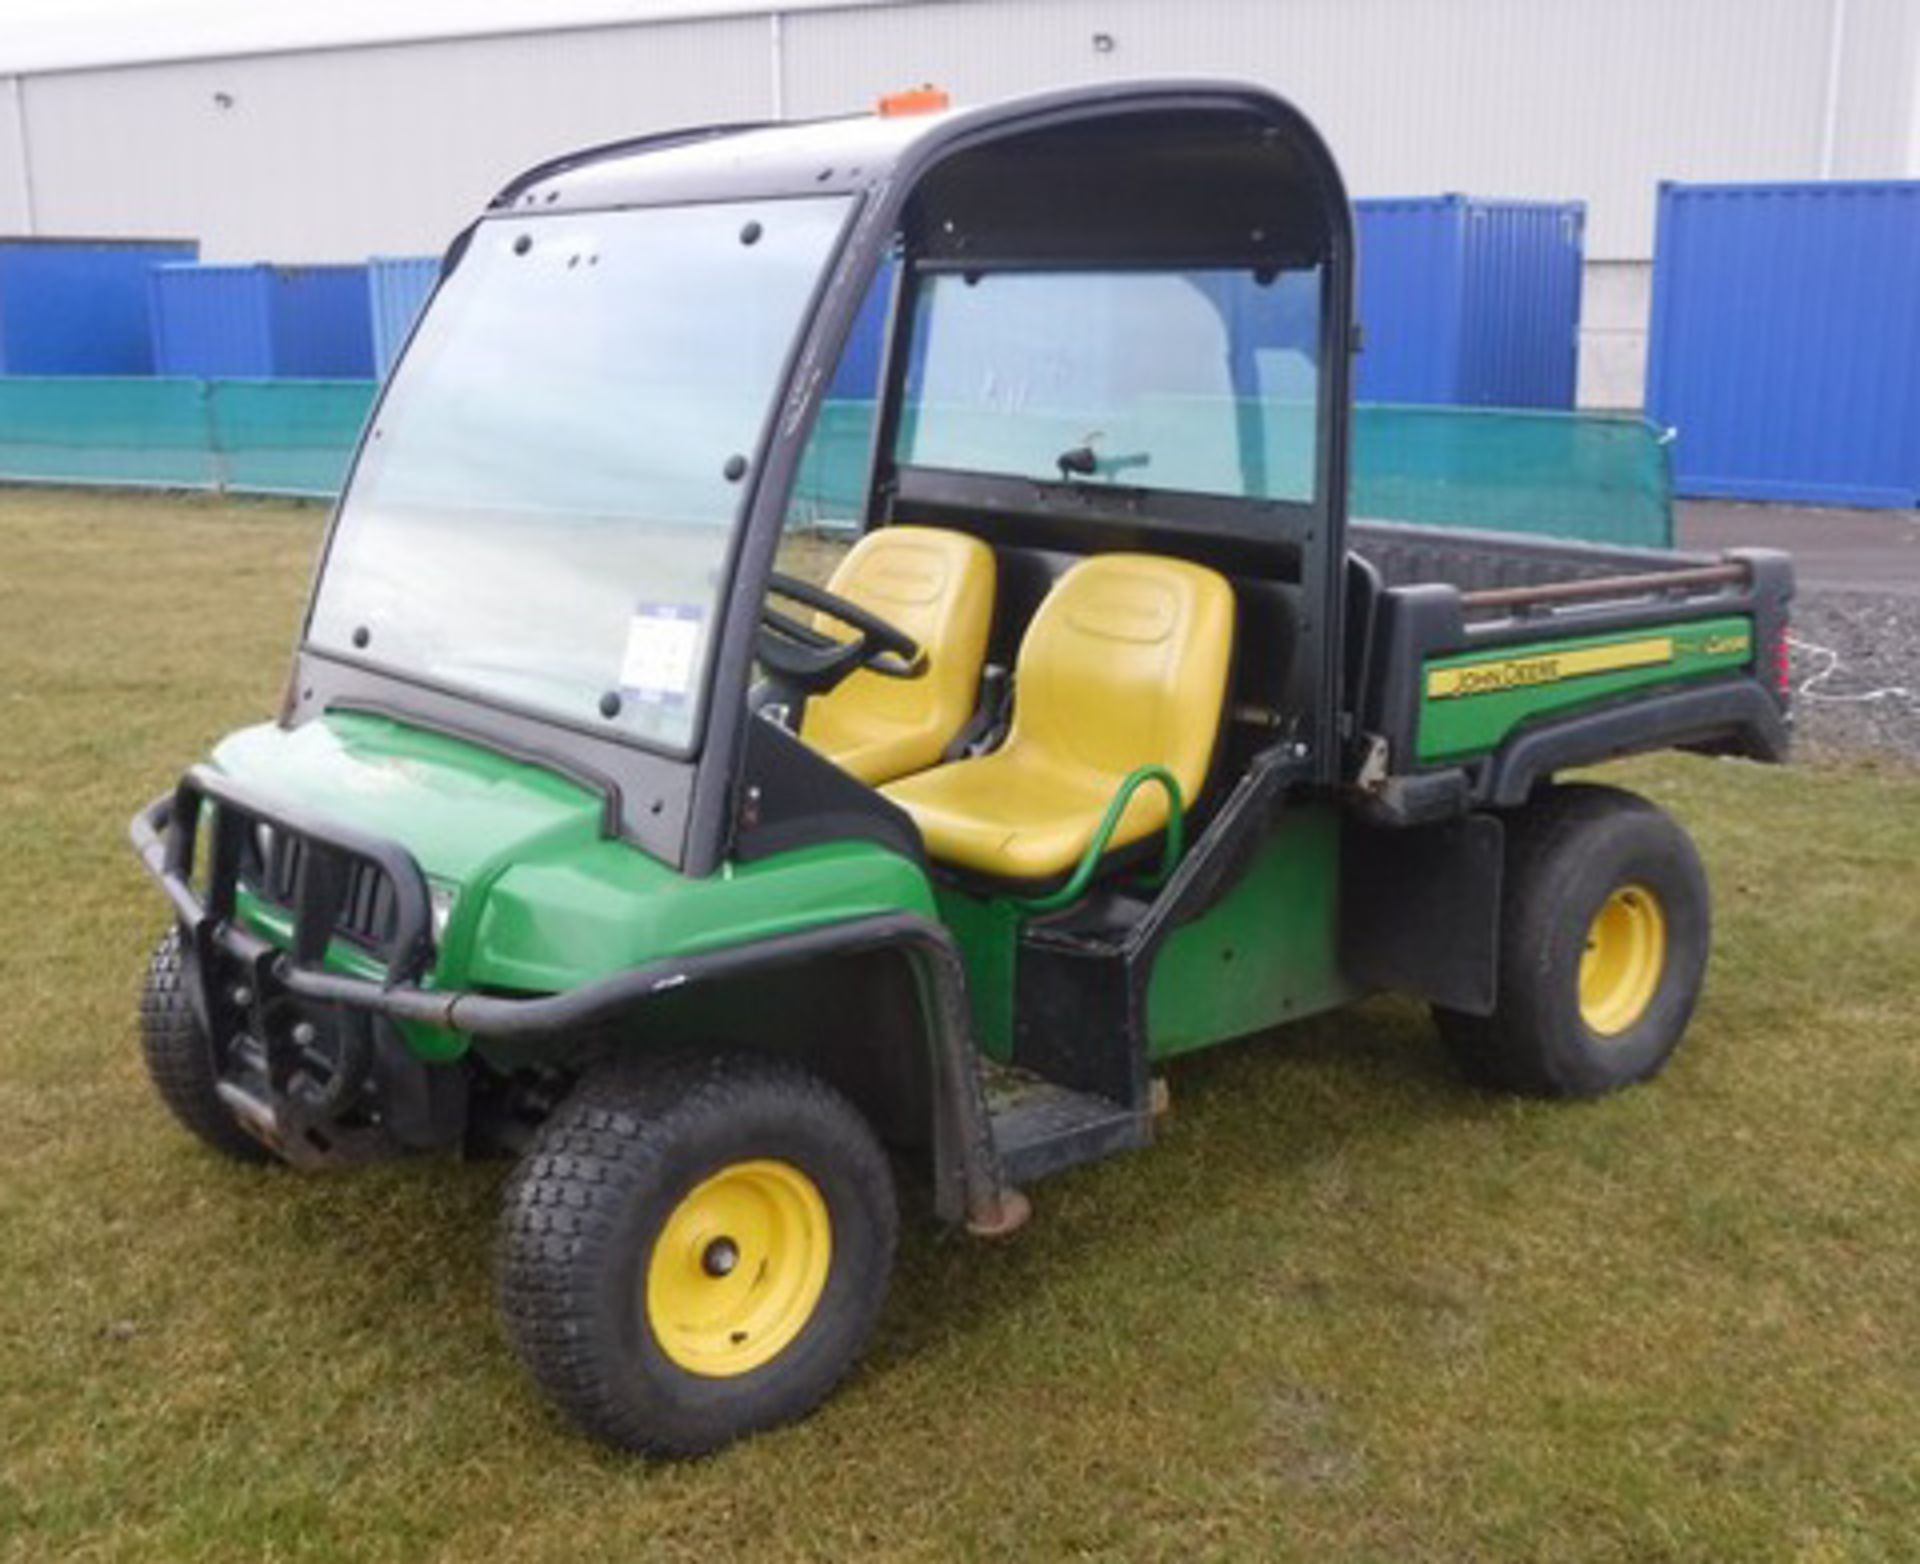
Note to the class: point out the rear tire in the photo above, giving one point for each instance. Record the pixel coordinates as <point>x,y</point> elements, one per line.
<point>696,1250</point>
<point>179,1056</point>
<point>1605,928</point>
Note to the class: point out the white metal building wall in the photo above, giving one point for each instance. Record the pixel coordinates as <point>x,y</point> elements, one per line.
<point>334,155</point>
<point>337,153</point>
<point>1548,98</point>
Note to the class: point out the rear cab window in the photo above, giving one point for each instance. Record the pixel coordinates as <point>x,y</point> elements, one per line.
<point>1203,381</point>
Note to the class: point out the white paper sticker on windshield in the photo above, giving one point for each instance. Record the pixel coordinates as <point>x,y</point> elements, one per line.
<point>663,640</point>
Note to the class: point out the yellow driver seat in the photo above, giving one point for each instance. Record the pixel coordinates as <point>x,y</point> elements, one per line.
<point>1124,665</point>
<point>938,587</point>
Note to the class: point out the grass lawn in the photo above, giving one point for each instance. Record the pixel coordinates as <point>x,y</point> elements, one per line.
<point>1345,1308</point>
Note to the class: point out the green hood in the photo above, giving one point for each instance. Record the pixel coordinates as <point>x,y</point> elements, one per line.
<point>544,901</point>
<point>459,808</point>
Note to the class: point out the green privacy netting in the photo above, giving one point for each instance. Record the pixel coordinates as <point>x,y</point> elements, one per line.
<point>1598,478</point>
<point>252,436</point>
<point>286,436</point>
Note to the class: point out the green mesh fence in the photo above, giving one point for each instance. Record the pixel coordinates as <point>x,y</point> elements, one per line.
<point>1599,479</point>
<point>1593,477</point>
<point>254,436</point>
<point>105,430</point>
<point>286,436</point>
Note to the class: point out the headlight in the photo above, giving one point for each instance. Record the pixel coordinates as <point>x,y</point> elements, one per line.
<point>440,899</point>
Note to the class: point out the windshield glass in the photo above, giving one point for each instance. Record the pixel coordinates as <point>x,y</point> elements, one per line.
<point>542,512</point>
<point>1206,381</point>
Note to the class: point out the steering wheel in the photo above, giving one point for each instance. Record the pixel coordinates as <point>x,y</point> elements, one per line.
<point>814,661</point>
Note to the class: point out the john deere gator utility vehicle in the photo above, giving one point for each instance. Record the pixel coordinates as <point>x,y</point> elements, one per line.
<point>727,891</point>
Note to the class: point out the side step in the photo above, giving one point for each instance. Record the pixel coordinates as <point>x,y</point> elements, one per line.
<point>1041,1128</point>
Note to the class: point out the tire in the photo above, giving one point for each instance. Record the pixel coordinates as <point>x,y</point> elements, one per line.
<point>662,1268</point>
<point>1567,1023</point>
<point>180,1060</point>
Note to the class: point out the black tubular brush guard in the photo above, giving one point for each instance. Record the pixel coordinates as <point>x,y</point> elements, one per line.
<point>257,973</point>
<point>165,836</point>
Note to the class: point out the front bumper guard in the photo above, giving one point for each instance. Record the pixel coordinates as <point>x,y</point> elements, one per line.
<point>969,1183</point>
<point>163,836</point>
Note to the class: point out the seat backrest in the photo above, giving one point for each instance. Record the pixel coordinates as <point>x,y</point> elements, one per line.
<point>937,586</point>
<point>1125,665</point>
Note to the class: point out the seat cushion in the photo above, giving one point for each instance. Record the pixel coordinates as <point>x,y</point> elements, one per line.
<point>938,587</point>
<point>1125,665</point>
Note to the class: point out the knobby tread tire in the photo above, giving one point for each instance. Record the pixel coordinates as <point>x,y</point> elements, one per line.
<point>179,1057</point>
<point>581,1211</point>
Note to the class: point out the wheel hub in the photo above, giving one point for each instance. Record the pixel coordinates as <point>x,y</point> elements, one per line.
<point>1624,960</point>
<point>738,1268</point>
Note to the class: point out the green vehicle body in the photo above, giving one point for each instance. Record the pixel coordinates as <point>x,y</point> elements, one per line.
<point>542,901</point>
<point>1433,711</point>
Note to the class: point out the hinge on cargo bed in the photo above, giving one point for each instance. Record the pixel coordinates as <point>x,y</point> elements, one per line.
<point>1375,764</point>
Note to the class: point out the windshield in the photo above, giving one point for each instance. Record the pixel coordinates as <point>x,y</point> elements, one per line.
<point>543,510</point>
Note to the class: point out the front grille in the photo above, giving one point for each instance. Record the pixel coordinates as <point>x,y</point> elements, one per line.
<point>367,909</point>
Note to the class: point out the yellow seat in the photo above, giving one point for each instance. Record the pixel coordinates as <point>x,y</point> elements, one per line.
<point>938,587</point>
<point>1125,665</point>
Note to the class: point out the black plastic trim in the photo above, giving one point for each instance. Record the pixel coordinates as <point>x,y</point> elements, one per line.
<point>1737,714</point>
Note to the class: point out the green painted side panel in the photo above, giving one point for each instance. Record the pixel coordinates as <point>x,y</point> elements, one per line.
<point>557,920</point>
<point>543,902</point>
<point>1267,952</point>
<point>988,934</point>
<point>1496,690</point>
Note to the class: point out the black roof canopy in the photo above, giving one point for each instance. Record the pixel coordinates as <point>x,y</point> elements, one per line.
<point>1199,171</point>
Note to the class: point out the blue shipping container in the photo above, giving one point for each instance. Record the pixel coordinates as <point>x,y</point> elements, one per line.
<point>397,290</point>
<point>1470,302</point>
<point>80,306</point>
<point>260,321</point>
<point>1785,345</point>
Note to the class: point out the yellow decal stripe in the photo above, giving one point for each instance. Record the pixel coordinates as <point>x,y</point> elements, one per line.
<point>1519,673</point>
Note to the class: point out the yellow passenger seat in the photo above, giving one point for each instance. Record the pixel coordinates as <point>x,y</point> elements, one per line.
<point>1124,665</point>
<point>938,587</point>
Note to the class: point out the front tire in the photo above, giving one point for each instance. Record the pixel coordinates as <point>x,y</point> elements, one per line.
<point>179,1056</point>
<point>695,1251</point>
<point>1604,933</point>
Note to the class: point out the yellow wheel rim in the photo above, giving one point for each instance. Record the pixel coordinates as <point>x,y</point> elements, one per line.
<point>1625,957</point>
<point>738,1268</point>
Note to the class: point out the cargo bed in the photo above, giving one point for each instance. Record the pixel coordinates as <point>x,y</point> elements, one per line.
<point>1484,662</point>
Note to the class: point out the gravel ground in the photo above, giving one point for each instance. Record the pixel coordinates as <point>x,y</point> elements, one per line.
<point>1856,674</point>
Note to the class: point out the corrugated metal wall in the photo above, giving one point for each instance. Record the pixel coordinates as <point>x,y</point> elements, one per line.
<point>398,287</point>
<point>1786,340</point>
<point>333,154</point>
<point>211,320</point>
<point>80,306</point>
<point>256,321</point>
<point>1468,301</point>
<point>1522,302</point>
<point>336,156</point>
<point>1515,96</point>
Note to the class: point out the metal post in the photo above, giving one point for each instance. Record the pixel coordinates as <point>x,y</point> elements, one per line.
<point>1836,59</point>
<point>777,62</point>
<point>30,213</point>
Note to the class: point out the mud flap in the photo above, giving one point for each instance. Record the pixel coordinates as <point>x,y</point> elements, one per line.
<point>1420,909</point>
